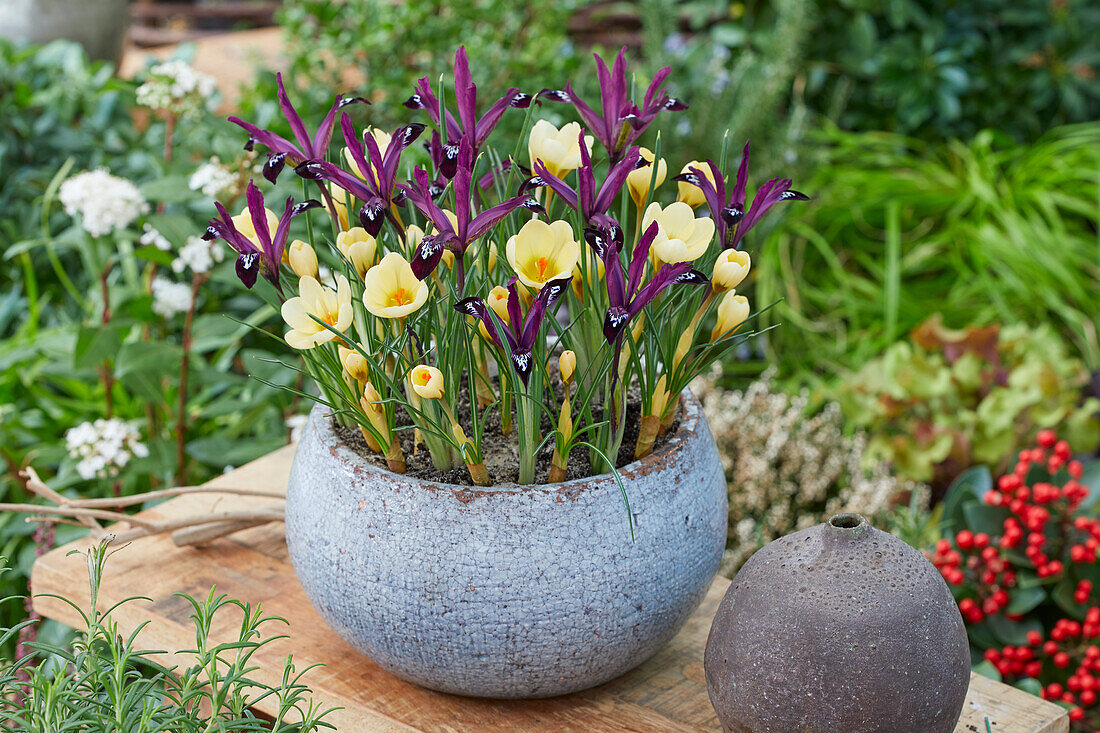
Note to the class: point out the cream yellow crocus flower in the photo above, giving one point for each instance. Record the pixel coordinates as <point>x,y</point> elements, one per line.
<point>333,307</point>
<point>244,224</point>
<point>381,138</point>
<point>427,381</point>
<point>543,252</point>
<point>689,193</point>
<point>413,235</point>
<point>558,149</point>
<point>340,199</point>
<point>637,181</point>
<point>391,289</point>
<point>681,237</point>
<point>731,267</point>
<point>358,248</point>
<point>732,312</point>
<point>355,364</point>
<point>303,260</point>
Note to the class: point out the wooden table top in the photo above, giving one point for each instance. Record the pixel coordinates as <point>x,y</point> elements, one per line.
<point>666,693</point>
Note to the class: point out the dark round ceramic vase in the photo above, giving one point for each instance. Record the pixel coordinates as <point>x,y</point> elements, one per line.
<point>840,627</point>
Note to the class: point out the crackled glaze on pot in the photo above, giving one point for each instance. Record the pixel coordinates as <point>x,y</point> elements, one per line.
<point>509,591</point>
<point>839,627</point>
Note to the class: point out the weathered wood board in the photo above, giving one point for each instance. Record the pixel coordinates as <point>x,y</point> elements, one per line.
<point>667,693</point>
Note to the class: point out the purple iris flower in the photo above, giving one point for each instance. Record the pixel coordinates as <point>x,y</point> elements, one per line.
<point>467,226</point>
<point>592,203</point>
<point>377,187</point>
<point>521,333</point>
<point>621,121</point>
<point>468,124</point>
<point>627,297</point>
<point>733,222</point>
<point>253,260</point>
<point>282,151</point>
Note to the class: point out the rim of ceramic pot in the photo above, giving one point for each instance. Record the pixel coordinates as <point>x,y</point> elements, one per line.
<point>690,423</point>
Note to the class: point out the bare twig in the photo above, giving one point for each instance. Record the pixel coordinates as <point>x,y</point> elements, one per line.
<point>194,529</point>
<point>164,494</point>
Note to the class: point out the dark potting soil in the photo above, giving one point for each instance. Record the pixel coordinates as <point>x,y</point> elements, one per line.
<point>499,452</point>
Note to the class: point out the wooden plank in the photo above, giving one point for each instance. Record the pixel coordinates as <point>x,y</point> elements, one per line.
<point>667,693</point>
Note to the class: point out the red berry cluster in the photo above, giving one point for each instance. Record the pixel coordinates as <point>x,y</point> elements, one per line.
<point>1070,656</point>
<point>978,561</point>
<point>1041,494</point>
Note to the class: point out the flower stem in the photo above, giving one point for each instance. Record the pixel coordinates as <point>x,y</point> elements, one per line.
<point>181,414</point>
<point>106,370</point>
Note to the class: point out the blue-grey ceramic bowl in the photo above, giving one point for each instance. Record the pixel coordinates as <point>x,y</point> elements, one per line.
<point>511,591</point>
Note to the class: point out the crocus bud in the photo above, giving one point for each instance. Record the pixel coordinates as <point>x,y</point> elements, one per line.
<point>732,312</point>
<point>638,179</point>
<point>427,381</point>
<point>358,248</point>
<point>355,364</point>
<point>730,269</point>
<point>567,364</point>
<point>689,193</point>
<point>303,260</point>
<point>498,301</point>
<point>660,397</point>
<point>492,258</point>
<point>371,399</point>
<point>413,235</point>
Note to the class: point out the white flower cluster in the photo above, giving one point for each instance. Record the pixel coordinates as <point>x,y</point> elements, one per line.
<point>787,470</point>
<point>102,448</point>
<point>199,255</point>
<point>151,237</point>
<point>175,86</point>
<point>170,298</point>
<point>104,202</point>
<point>212,179</point>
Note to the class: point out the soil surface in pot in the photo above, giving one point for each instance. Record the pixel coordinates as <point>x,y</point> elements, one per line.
<point>499,452</point>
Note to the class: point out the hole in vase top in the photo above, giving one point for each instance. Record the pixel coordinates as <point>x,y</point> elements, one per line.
<point>848,520</point>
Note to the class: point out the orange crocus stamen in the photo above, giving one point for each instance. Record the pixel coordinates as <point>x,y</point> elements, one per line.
<point>400,297</point>
<point>542,263</point>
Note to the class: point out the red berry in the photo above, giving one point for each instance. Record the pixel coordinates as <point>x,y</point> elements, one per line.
<point>1076,714</point>
<point>1061,660</point>
<point>1050,647</point>
<point>1046,438</point>
<point>1034,638</point>
<point>1088,697</point>
<point>964,539</point>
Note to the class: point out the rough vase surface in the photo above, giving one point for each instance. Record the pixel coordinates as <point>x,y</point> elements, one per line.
<point>97,25</point>
<point>839,627</point>
<point>511,591</point>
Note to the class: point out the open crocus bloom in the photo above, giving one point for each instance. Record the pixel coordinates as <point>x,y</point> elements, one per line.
<point>391,288</point>
<point>559,150</point>
<point>638,180</point>
<point>543,252</point>
<point>688,192</point>
<point>681,237</point>
<point>730,269</point>
<point>333,307</point>
<point>427,381</point>
<point>358,248</point>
